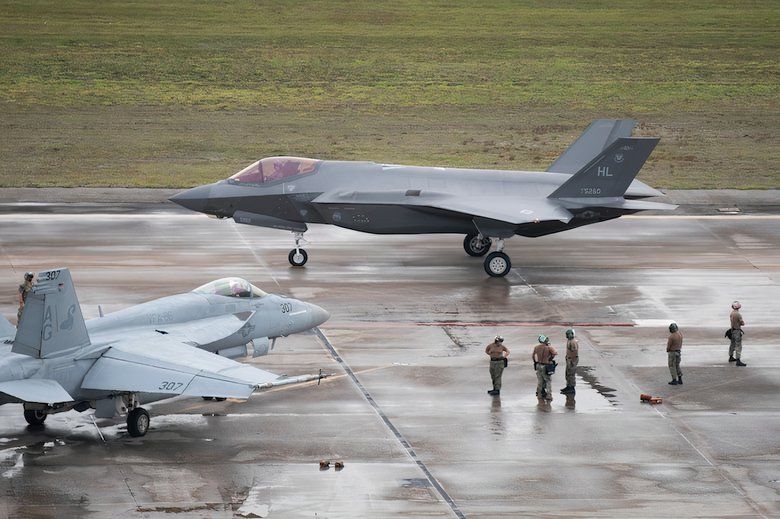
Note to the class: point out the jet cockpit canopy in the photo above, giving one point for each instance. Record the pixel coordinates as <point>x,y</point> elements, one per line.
<point>230,287</point>
<point>272,169</point>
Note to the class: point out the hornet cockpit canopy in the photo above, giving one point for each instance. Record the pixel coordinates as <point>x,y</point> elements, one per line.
<point>231,287</point>
<point>272,169</point>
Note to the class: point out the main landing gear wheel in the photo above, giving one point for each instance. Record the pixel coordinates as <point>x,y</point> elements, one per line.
<point>137,422</point>
<point>35,416</point>
<point>475,245</point>
<point>298,257</point>
<point>497,264</point>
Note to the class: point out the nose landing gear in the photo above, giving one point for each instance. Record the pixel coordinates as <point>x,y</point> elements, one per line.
<point>298,256</point>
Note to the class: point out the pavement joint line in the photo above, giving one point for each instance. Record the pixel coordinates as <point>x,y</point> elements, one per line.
<point>389,424</point>
<point>623,381</point>
<point>119,467</point>
<point>736,250</point>
<point>722,474</point>
<point>258,258</point>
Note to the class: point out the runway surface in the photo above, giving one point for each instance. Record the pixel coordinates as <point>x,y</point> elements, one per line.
<point>407,410</point>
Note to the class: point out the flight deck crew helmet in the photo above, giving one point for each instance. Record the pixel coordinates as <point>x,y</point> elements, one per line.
<point>673,327</point>
<point>499,338</point>
<point>28,275</point>
<point>736,305</point>
<point>570,333</point>
<point>543,339</point>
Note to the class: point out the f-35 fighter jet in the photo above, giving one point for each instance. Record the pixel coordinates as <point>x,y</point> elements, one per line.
<point>177,345</point>
<point>592,181</point>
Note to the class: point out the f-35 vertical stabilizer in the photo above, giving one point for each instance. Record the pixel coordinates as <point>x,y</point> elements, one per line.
<point>611,172</point>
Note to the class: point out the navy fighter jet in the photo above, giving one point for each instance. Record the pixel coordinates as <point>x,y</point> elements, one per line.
<point>178,345</point>
<point>592,181</point>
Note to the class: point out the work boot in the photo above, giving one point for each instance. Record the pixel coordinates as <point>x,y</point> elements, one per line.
<point>492,391</point>
<point>673,382</point>
<point>740,363</point>
<point>732,359</point>
<point>679,380</point>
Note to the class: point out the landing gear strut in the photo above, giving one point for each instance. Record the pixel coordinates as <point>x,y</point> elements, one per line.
<point>298,256</point>
<point>476,245</point>
<point>497,264</point>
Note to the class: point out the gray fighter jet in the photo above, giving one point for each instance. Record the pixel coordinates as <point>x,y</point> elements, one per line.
<point>177,345</point>
<point>592,181</point>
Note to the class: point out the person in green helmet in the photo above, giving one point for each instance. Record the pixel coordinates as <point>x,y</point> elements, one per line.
<point>543,356</point>
<point>674,352</point>
<point>572,359</point>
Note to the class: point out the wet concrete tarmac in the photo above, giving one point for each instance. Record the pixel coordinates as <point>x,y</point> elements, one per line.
<point>415,427</point>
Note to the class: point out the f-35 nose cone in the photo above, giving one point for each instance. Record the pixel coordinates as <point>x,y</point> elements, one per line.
<point>195,199</point>
<point>317,314</point>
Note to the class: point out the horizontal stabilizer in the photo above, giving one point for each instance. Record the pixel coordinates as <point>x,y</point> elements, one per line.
<point>600,134</point>
<point>7,330</point>
<point>36,390</point>
<point>611,172</point>
<point>616,203</point>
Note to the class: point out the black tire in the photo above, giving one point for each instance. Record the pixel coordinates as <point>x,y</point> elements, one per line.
<point>35,417</point>
<point>208,398</point>
<point>298,258</point>
<point>472,248</point>
<point>220,398</point>
<point>497,264</point>
<point>137,422</point>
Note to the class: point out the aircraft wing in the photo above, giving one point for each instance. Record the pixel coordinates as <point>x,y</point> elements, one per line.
<point>37,390</point>
<point>205,332</point>
<point>167,367</point>
<point>512,210</point>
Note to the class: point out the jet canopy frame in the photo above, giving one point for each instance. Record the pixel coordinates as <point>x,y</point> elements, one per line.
<point>231,287</point>
<point>274,169</point>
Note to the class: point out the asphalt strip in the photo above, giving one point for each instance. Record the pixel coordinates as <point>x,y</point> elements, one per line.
<point>405,444</point>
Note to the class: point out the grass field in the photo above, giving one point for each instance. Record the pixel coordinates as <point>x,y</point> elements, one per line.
<point>179,93</point>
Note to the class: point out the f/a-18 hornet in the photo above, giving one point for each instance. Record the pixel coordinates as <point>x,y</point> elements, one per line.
<point>177,345</point>
<point>592,181</point>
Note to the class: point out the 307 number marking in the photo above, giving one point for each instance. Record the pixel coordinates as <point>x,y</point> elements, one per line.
<point>170,386</point>
<point>286,308</point>
<point>49,275</point>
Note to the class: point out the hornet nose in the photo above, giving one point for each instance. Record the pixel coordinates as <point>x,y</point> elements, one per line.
<point>195,199</point>
<point>317,315</point>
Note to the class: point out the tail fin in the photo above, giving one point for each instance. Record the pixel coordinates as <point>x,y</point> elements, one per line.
<point>600,134</point>
<point>51,322</point>
<point>611,172</point>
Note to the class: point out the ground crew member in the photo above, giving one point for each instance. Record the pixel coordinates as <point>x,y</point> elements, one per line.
<point>572,358</point>
<point>497,353</point>
<point>735,348</point>
<point>543,356</point>
<point>24,289</point>
<point>674,351</point>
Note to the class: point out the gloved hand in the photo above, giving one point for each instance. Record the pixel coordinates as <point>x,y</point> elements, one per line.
<point>535,364</point>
